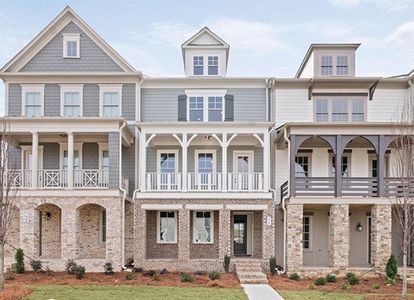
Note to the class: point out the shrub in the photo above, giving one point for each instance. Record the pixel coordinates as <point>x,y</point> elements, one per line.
<point>129,276</point>
<point>70,266</point>
<point>186,277</point>
<point>391,267</point>
<point>148,273</point>
<point>294,276</point>
<point>353,280</point>
<point>319,281</point>
<point>330,278</point>
<point>349,275</point>
<point>272,265</point>
<point>109,269</point>
<point>346,287</point>
<point>79,272</point>
<point>36,265</point>
<point>376,286</point>
<point>9,275</point>
<point>213,275</point>
<point>19,261</point>
<point>390,281</point>
<point>156,276</point>
<point>226,263</point>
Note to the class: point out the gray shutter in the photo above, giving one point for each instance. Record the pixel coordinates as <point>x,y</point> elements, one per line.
<point>229,108</point>
<point>182,108</point>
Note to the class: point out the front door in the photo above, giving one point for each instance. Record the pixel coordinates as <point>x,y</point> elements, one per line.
<point>240,235</point>
<point>244,169</point>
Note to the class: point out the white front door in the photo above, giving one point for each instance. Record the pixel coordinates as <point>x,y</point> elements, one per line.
<point>243,167</point>
<point>28,166</point>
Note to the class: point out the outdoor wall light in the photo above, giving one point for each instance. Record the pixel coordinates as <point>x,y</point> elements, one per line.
<point>359,227</point>
<point>207,137</point>
<point>47,216</point>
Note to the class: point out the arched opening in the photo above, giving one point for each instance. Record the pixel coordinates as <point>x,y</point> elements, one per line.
<point>49,231</point>
<point>91,231</point>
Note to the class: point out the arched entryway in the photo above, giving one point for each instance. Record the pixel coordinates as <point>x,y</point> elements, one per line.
<point>49,231</point>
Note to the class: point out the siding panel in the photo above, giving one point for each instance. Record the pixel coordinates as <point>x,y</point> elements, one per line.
<point>292,105</point>
<point>128,101</point>
<point>51,153</point>
<point>52,100</point>
<point>91,100</point>
<point>90,153</point>
<point>15,100</point>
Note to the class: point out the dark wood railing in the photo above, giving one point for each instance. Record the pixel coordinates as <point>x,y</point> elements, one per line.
<point>397,187</point>
<point>315,186</point>
<point>359,186</point>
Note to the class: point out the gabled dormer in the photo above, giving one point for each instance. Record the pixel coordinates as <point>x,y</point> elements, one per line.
<point>328,60</point>
<point>205,54</point>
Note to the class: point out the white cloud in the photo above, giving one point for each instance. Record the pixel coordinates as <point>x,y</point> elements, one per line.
<point>403,34</point>
<point>382,4</point>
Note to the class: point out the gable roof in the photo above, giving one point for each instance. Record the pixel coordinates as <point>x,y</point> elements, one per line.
<point>312,47</point>
<point>66,16</point>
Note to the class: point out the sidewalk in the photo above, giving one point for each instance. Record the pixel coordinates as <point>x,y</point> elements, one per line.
<point>260,292</point>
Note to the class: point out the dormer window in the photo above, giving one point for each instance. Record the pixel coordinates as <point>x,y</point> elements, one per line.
<point>342,65</point>
<point>205,65</point>
<point>198,65</point>
<point>326,65</point>
<point>334,65</point>
<point>71,45</point>
<point>213,65</point>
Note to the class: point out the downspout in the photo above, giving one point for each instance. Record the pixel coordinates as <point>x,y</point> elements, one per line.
<point>123,199</point>
<point>411,100</point>
<point>137,190</point>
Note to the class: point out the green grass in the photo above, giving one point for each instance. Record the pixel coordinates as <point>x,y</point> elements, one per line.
<point>313,295</point>
<point>91,292</point>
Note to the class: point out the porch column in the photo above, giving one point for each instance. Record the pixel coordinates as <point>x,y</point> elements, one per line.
<point>140,235</point>
<point>338,166</point>
<point>184,237</point>
<point>184,147</point>
<point>294,233</point>
<point>225,234</point>
<point>381,222</point>
<point>142,160</point>
<point>381,165</point>
<point>339,236</point>
<point>35,158</point>
<point>70,159</point>
<point>292,158</point>
<point>266,160</point>
<point>69,228</point>
<point>224,162</point>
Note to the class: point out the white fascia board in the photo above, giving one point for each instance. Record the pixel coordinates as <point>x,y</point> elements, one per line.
<point>161,206</point>
<point>247,206</point>
<point>203,196</point>
<point>204,206</point>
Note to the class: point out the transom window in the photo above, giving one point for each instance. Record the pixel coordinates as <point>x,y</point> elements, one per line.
<point>71,45</point>
<point>198,65</point>
<point>302,166</point>
<point>340,109</point>
<point>167,227</point>
<point>33,104</point>
<point>334,65</point>
<point>196,109</point>
<point>203,227</point>
<point>213,65</point>
<point>307,232</point>
<point>215,108</point>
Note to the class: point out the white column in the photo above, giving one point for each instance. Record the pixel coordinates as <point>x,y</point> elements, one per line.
<point>184,162</point>
<point>35,158</point>
<point>224,162</point>
<point>142,161</point>
<point>266,160</point>
<point>70,159</point>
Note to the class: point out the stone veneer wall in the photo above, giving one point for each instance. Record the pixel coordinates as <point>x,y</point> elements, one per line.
<point>50,240</point>
<point>257,234</point>
<point>381,237</point>
<point>205,250</point>
<point>339,236</point>
<point>294,231</point>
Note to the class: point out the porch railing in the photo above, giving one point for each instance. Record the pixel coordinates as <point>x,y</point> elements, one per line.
<point>18,178</point>
<point>359,186</point>
<point>398,187</point>
<point>204,181</point>
<point>83,178</point>
<point>52,178</point>
<point>245,181</point>
<point>163,181</point>
<point>315,186</point>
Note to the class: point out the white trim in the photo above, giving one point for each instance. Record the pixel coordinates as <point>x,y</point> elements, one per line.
<point>28,149</point>
<point>198,151</point>
<point>211,226</point>
<point>167,151</point>
<point>6,98</point>
<point>205,64</point>
<point>159,224</point>
<point>210,195</point>
<point>349,99</point>
<point>249,153</point>
<point>74,88</point>
<point>71,37</point>
<point>110,88</point>
<point>310,233</point>
<point>204,206</point>
<point>64,146</point>
<point>348,155</point>
<point>161,206</point>
<point>33,88</point>
<point>247,206</point>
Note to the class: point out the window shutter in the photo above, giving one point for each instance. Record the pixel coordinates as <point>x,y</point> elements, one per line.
<point>182,108</point>
<point>229,108</point>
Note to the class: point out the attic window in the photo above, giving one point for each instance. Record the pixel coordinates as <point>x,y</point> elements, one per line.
<point>71,45</point>
<point>213,65</point>
<point>198,65</point>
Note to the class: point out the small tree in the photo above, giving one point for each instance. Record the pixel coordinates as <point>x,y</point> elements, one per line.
<point>19,261</point>
<point>391,268</point>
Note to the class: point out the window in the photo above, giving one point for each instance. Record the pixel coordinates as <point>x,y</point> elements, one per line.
<point>110,99</point>
<point>339,110</point>
<point>203,227</point>
<point>71,45</point>
<point>342,65</point>
<point>302,166</point>
<point>345,165</point>
<point>213,65</point>
<point>322,110</point>
<point>102,228</point>
<point>76,160</point>
<point>307,232</point>
<point>71,100</point>
<point>167,227</point>
<point>196,109</point>
<point>358,111</point>
<point>215,108</point>
<point>198,65</point>
<point>105,160</point>
<point>32,100</point>
<point>326,65</point>
<point>374,167</point>
<point>167,163</point>
<point>205,162</point>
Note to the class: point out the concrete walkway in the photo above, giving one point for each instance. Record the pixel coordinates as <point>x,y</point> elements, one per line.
<point>260,292</point>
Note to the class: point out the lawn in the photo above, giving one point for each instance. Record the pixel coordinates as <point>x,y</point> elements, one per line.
<point>106,292</point>
<point>316,295</point>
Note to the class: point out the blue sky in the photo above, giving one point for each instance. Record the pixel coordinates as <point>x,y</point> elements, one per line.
<point>267,38</point>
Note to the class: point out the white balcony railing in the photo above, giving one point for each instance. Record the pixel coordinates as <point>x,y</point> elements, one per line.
<point>18,178</point>
<point>90,178</point>
<point>52,178</point>
<point>204,182</point>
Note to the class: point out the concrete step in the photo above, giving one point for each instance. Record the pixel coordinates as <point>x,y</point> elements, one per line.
<point>253,281</point>
<point>250,273</point>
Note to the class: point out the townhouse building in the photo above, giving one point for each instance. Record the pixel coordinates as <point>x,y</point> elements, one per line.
<point>178,172</point>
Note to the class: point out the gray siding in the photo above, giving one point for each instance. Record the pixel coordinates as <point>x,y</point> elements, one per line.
<point>113,149</point>
<point>161,104</point>
<point>90,153</point>
<point>52,100</point>
<point>128,101</point>
<point>15,100</point>
<point>128,166</point>
<point>91,100</point>
<point>92,58</point>
<point>51,153</point>
<point>14,157</point>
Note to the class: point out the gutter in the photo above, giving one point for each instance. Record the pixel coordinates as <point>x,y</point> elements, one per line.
<point>123,199</point>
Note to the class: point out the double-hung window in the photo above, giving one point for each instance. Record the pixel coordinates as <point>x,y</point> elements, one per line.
<point>196,108</point>
<point>326,65</point>
<point>198,65</point>
<point>71,100</point>
<point>358,110</point>
<point>322,114</point>
<point>32,100</point>
<point>111,100</point>
<point>215,109</point>
<point>71,45</point>
<point>342,67</point>
<point>167,227</point>
<point>334,65</point>
<point>203,227</point>
<point>340,109</point>
<point>213,65</point>
<point>307,232</point>
<point>205,105</point>
<point>302,165</point>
